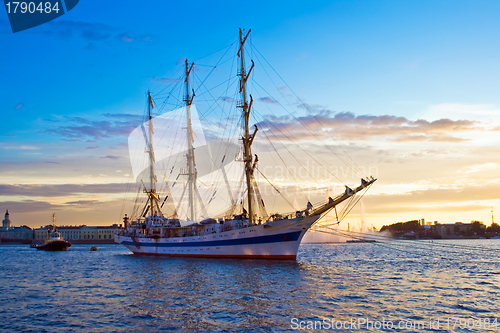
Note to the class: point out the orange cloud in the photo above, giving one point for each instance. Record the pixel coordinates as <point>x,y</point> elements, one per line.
<point>346,125</point>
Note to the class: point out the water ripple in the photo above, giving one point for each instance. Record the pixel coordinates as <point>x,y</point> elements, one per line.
<point>111,290</point>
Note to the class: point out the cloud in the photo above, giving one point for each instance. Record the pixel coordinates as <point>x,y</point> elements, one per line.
<point>78,120</point>
<point>94,35</point>
<point>119,146</point>
<point>302,56</point>
<point>128,116</point>
<point>83,202</point>
<point>456,198</point>
<point>117,125</point>
<point>28,206</point>
<point>97,130</point>
<point>165,79</point>
<point>20,105</point>
<point>67,29</point>
<point>111,157</point>
<point>268,100</point>
<point>129,37</point>
<point>312,108</point>
<point>45,190</point>
<point>15,146</point>
<point>227,99</point>
<point>486,113</point>
<point>95,147</point>
<point>126,39</point>
<point>346,125</point>
<point>283,89</point>
<point>479,167</point>
<point>92,32</point>
<point>23,147</point>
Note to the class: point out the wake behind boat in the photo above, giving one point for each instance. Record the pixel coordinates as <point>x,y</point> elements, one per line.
<point>244,229</point>
<point>54,241</point>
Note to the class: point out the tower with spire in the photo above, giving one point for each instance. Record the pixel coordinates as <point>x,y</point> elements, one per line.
<point>6,222</point>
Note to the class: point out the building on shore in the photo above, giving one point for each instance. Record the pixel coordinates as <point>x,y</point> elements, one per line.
<point>454,230</point>
<point>75,234</point>
<point>80,234</point>
<point>9,233</point>
<point>417,229</point>
<point>6,221</point>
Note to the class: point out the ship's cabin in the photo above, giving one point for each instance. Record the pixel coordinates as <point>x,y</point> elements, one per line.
<point>54,235</point>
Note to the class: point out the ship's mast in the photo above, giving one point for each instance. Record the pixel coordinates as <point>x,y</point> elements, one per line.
<point>190,155</point>
<point>247,138</point>
<point>152,176</point>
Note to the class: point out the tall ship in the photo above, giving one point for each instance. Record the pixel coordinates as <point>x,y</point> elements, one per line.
<point>239,226</point>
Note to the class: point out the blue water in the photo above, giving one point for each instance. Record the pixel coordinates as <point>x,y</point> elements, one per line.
<point>112,290</point>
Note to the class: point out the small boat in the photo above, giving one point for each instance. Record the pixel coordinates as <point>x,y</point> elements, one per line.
<point>54,241</point>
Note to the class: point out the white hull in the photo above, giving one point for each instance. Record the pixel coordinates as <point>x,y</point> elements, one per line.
<point>274,240</point>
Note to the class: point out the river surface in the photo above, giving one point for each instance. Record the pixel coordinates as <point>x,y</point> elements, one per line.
<point>408,283</point>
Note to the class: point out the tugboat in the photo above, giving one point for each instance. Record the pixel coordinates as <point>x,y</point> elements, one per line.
<point>54,241</point>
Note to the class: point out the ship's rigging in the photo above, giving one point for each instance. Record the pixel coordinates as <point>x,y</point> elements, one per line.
<point>181,174</point>
<point>224,215</point>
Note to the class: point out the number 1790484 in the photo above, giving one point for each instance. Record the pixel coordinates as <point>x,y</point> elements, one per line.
<point>32,7</point>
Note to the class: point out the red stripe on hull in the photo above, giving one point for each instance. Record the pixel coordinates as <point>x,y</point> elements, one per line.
<point>224,256</point>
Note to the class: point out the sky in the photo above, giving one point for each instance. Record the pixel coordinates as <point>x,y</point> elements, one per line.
<point>409,89</point>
